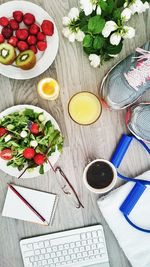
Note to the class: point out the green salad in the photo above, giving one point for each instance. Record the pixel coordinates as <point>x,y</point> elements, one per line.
<point>27,139</point>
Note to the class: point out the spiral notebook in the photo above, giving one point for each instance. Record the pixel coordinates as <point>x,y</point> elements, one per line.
<point>44,203</point>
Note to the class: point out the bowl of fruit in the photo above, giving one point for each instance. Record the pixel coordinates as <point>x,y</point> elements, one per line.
<point>28,40</point>
<point>30,141</point>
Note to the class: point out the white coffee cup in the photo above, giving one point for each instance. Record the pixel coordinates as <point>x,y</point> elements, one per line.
<point>100,190</point>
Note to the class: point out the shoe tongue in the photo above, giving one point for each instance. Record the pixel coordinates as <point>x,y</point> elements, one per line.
<point>140,122</point>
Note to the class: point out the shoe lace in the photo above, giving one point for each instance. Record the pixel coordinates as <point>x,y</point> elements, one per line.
<point>141,73</point>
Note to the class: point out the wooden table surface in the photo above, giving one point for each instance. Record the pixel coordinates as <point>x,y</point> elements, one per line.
<point>71,68</point>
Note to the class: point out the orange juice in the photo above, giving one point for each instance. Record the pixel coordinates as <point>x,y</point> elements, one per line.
<point>84,108</point>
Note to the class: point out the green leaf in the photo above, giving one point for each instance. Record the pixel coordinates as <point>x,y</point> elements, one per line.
<point>98,42</point>
<point>114,49</point>
<point>117,14</point>
<point>87,41</point>
<point>41,170</point>
<point>96,24</point>
<point>29,113</point>
<point>91,50</point>
<point>102,4</point>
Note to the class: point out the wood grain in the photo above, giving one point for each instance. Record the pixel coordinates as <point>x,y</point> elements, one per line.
<point>71,68</point>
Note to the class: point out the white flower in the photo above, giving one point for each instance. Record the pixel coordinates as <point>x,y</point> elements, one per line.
<point>7,138</point>
<point>23,134</point>
<point>138,6</point>
<point>66,32</point>
<point>72,37</point>
<point>88,6</point>
<point>33,143</point>
<point>80,36</point>
<point>73,13</point>
<point>95,60</point>
<point>115,38</point>
<point>145,6</point>
<point>129,32</point>
<point>108,28</point>
<point>98,11</point>
<point>66,21</point>
<point>126,14</point>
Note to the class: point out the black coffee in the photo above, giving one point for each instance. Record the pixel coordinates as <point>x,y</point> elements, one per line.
<point>99,175</point>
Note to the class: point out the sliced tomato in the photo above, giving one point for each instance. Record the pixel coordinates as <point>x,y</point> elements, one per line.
<point>2,131</point>
<point>6,154</point>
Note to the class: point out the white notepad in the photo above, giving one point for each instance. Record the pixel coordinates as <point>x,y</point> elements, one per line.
<point>43,203</point>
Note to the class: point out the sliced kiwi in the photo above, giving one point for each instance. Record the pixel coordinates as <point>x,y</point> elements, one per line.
<point>26,60</point>
<point>7,54</point>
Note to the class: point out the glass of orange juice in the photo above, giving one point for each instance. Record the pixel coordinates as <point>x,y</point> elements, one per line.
<point>84,108</point>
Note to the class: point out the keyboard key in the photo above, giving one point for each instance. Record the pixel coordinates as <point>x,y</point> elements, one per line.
<point>41,245</point>
<point>94,234</point>
<point>47,256</point>
<point>72,245</point>
<point>54,248</point>
<point>48,250</point>
<point>95,240</point>
<point>55,260</point>
<point>89,235</point>
<point>60,247</point>
<point>58,254</point>
<point>39,263</point>
<point>70,251</point>
<point>78,244</point>
<point>67,258</point>
<point>73,256</point>
<point>44,262</point>
<point>83,243</point>
<point>66,246</point>
<point>29,253</point>
<point>46,243</point>
<point>82,249</point>
<point>30,246</point>
<point>83,236</point>
<point>37,252</point>
<point>53,255</point>
<point>41,257</point>
<point>61,259</point>
<point>65,252</point>
<point>43,251</point>
<point>96,252</point>
<point>90,242</point>
<point>50,261</point>
<point>87,248</point>
<point>35,245</point>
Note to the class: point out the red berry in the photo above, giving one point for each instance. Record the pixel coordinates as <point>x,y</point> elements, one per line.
<point>33,48</point>
<point>31,40</point>
<point>1,38</point>
<point>18,16</point>
<point>13,41</point>
<point>34,29</point>
<point>48,27</point>
<point>41,36</point>
<point>13,24</point>
<point>6,154</point>
<point>34,128</point>
<point>29,153</point>
<point>28,19</point>
<point>4,21</point>
<point>22,34</point>
<point>39,158</point>
<point>2,131</point>
<point>7,32</point>
<point>22,45</point>
<point>41,45</point>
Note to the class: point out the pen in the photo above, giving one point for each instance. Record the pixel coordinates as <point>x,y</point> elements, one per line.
<point>28,204</point>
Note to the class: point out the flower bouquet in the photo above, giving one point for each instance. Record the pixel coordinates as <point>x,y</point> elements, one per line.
<point>101,26</point>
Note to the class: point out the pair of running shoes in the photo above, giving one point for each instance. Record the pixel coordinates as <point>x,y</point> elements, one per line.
<point>124,84</point>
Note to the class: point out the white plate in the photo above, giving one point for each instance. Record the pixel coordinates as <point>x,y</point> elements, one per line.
<point>44,59</point>
<point>53,158</point>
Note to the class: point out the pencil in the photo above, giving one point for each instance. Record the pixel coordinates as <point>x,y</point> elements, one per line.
<point>28,204</point>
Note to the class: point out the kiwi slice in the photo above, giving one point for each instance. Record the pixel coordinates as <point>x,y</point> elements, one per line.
<point>26,60</point>
<point>7,54</point>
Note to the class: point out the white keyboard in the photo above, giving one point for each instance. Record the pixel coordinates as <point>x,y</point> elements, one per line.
<point>80,247</point>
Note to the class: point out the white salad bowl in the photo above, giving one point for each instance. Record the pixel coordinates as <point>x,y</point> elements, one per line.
<point>53,158</point>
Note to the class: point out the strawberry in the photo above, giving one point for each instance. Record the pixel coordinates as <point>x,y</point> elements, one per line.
<point>18,15</point>
<point>31,40</point>
<point>33,48</point>
<point>4,21</point>
<point>42,45</point>
<point>22,45</point>
<point>2,131</point>
<point>29,153</point>
<point>7,32</point>
<point>34,129</point>
<point>22,34</point>
<point>41,36</point>
<point>39,159</point>
<point>2,39</point>
<point>28,19</point>
<point>6,154</point>
<point>34,29</point>
<point>13,24</point>
<point>13,41</point>
<point>47,27</point>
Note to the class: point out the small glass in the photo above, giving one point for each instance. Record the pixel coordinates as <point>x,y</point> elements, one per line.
<point>84,108</point>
